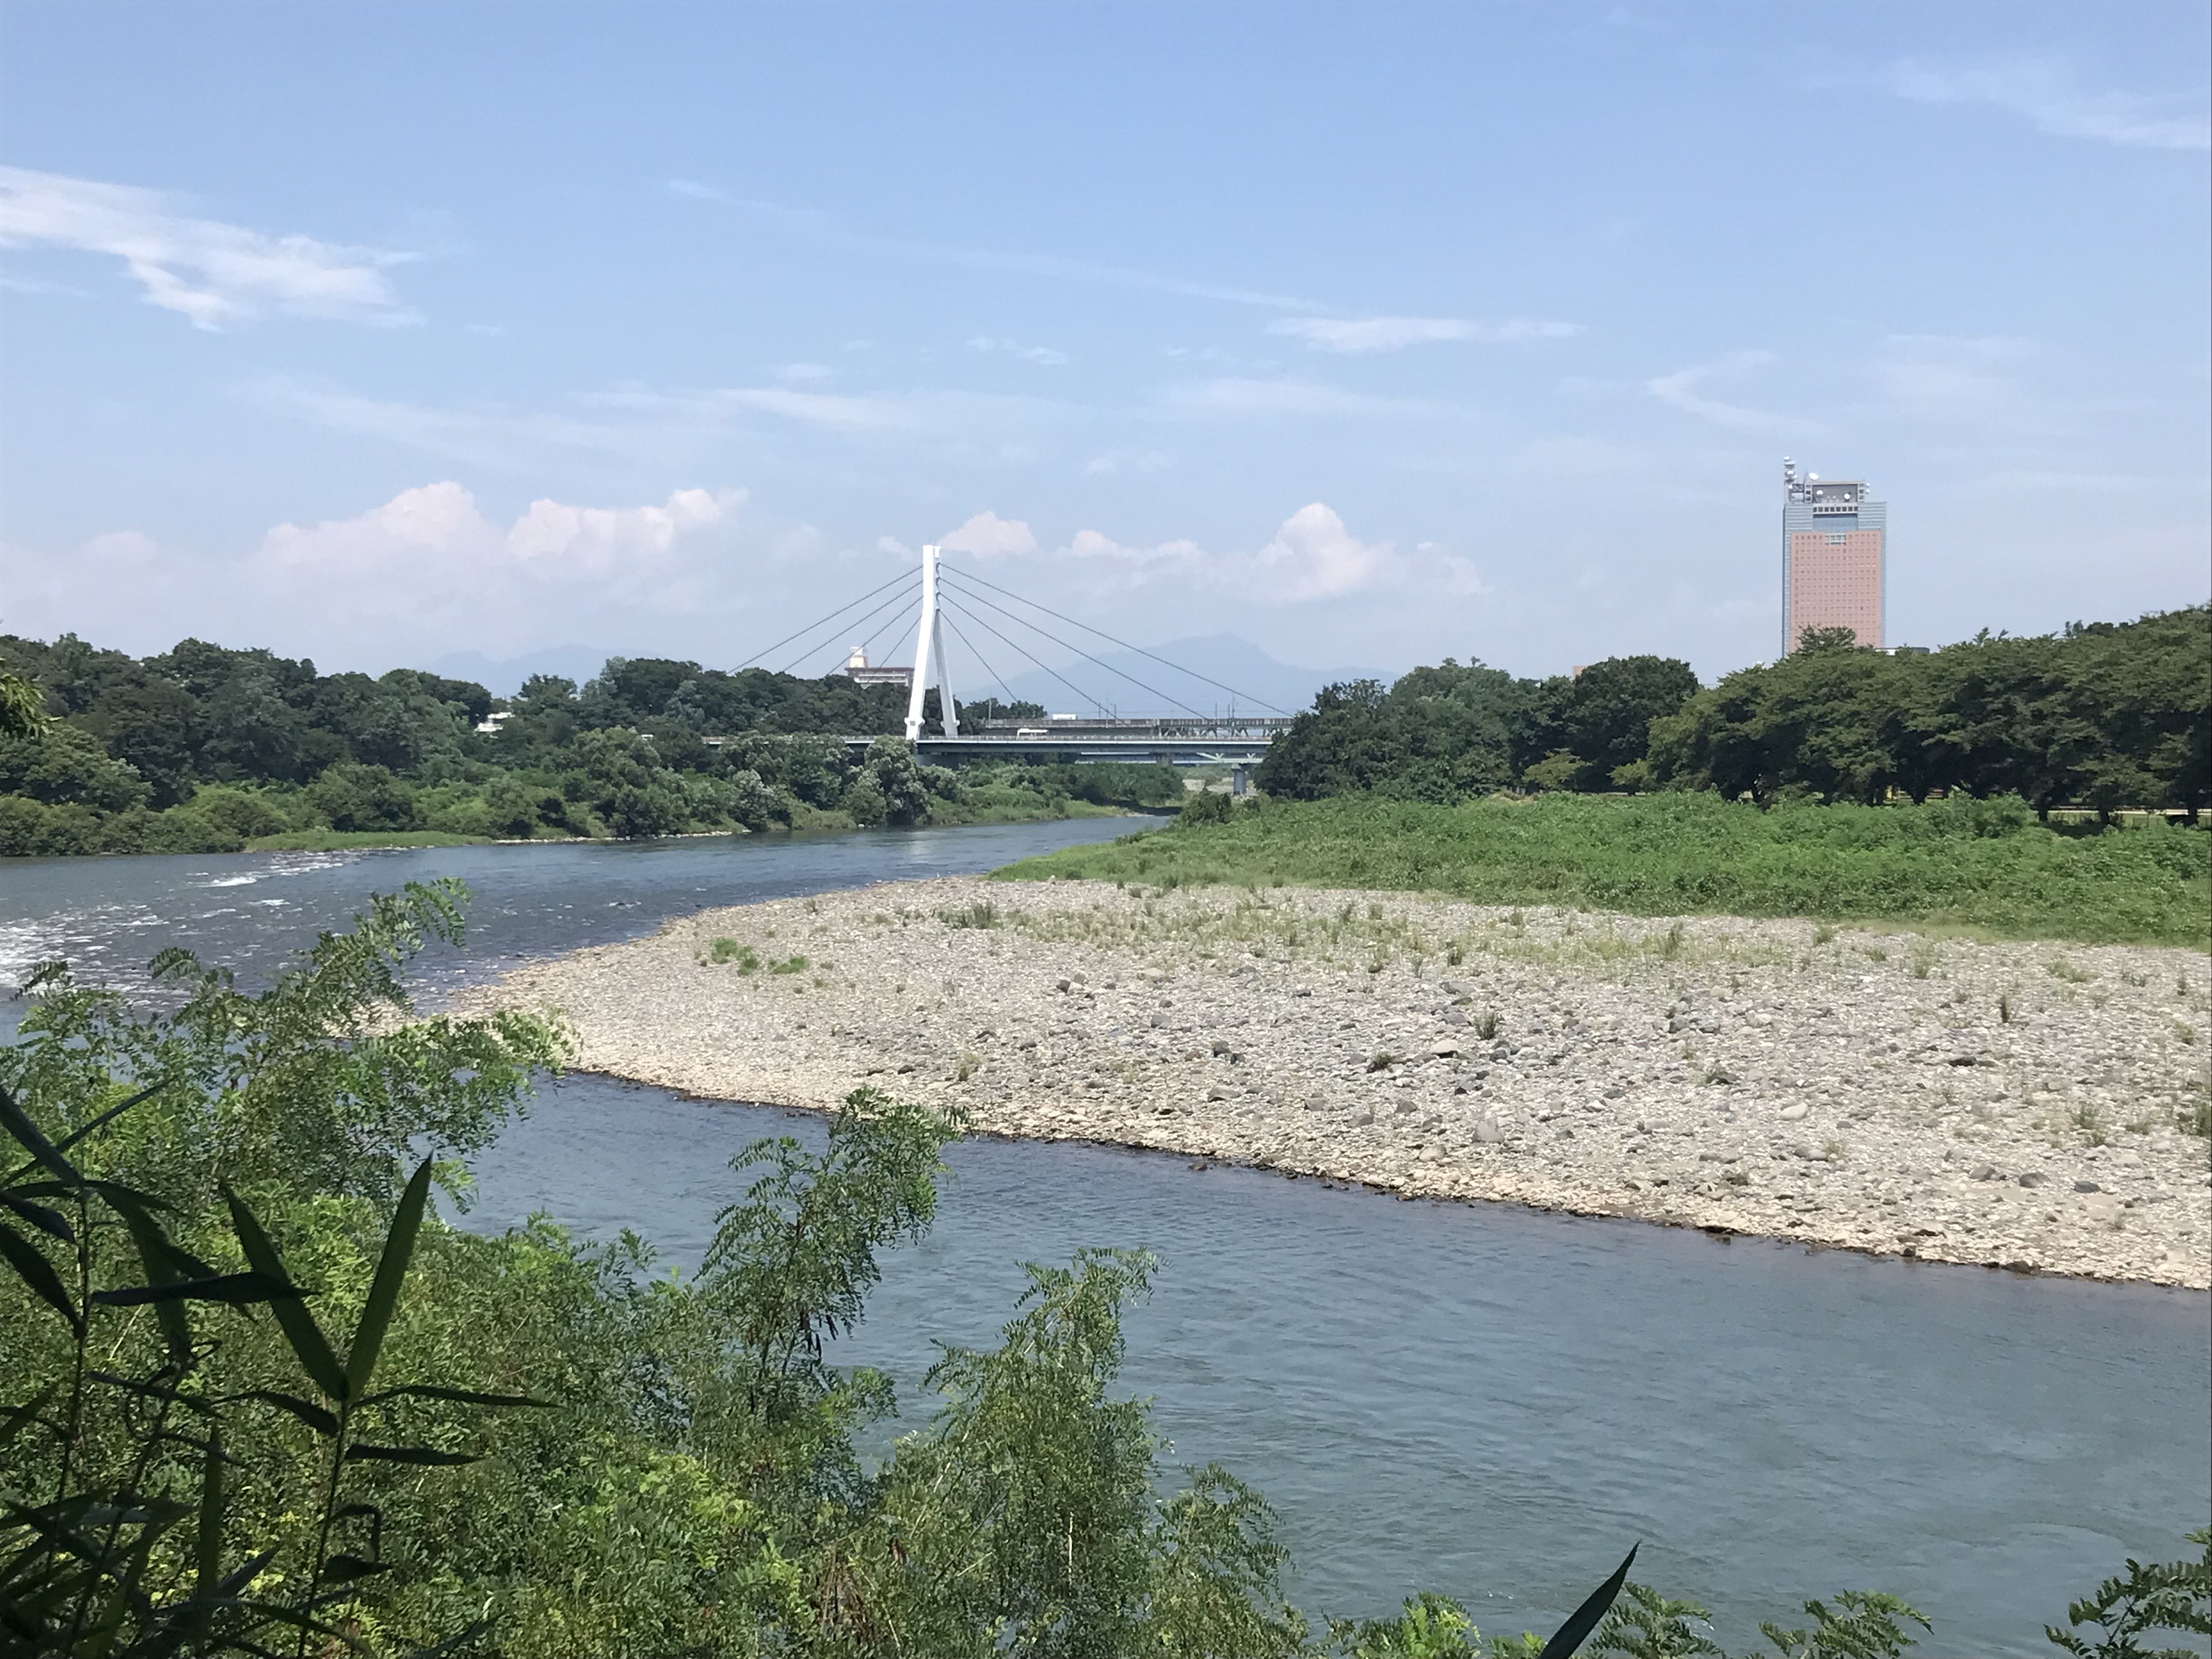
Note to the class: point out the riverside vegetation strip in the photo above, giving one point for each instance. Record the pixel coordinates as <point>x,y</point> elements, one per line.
<point>2024,1105</point>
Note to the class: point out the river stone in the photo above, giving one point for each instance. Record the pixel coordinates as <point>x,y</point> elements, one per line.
<point>1795,1114</point>
<point>1867,1043</point>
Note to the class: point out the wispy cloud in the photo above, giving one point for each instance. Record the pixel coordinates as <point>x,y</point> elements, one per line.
<point>205,269</point>
<point>1043,357</point>
<point>1683,390</point>
<point>2047,93</point>
<point>1359,334</point>
<point>1238,395</point>
<point>824,226</point>
<point>821,409</point>
<point>486,435</point>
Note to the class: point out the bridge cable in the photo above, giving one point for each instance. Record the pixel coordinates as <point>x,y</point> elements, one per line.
<point>903,576</point>
<point>978,655</point>
<point>1081,693</point>
<point>900,616</point>
<point>895,626</point>
<point>896,599</point>
<point>1085,655</point>
<point>1124,644</point>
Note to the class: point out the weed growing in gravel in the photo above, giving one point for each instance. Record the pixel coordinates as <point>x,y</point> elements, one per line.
<point>1923,960</point>
<point>965,1066</point>
<point>982,914</point>
<point>2059,968</point>
<point>1874,953</point>
<point>1486,1025</point>
<point>2184,1030</point>
<point>1671,946</point>
<point>1381,1060</point>
<point>2090,1123</point>
<point>2004,1006</point>
<point>729,952</point>
<point>1823,933</point>
<point>793,964</point>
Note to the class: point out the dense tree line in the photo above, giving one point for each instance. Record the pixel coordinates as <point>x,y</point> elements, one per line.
<point>2103,714</point>
<point>202,748</point>
<point>1447,733</point>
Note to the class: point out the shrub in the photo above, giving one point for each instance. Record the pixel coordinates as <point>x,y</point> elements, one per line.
<point>238,813</point>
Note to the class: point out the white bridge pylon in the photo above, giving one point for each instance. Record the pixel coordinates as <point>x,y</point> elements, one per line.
<point>928,653</point>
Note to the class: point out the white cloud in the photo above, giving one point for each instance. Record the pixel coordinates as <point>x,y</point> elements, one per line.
<point>441,525</point>
<point>120,547</point>
<point>429,564</point>
<point>1359,334</point>
<point>1313,556</point>
<point>211,272</point>
<point>2044,91</point>
<point>1683,390</point>
<point>695,190</point>
<point>1091,544</point>
<point>987,535</point>
<point>800,374</point>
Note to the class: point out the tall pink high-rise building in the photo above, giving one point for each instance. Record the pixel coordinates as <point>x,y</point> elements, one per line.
<point>1834,544</point>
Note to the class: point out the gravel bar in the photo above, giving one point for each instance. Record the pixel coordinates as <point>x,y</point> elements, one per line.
<point>2017,1105</point>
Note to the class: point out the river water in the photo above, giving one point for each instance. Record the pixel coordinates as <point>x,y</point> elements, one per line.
<point>1482,1400</point>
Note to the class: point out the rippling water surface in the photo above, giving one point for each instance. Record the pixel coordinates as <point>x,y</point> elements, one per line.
<point>1473,1399</point>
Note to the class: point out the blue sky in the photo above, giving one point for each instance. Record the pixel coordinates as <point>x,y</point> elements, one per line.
<point>1368,333</point>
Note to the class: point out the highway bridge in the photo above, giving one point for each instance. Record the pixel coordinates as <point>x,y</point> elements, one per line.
<point>935,600</point>
<point>1197,741</point>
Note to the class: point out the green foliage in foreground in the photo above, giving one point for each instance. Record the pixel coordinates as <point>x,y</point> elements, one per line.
<point>585,1458</point>
<point>1984,865</point>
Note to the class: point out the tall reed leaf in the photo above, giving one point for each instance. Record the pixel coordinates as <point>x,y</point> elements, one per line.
<point>1584,1619</point>
<point>384,1290</point>
<point>300,1331</point>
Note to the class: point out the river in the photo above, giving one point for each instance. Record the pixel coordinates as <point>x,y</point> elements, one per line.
<point>1485,1401</point>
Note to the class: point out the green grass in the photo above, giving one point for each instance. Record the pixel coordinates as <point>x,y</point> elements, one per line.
<point>725,951</point>
<point>337,841</point>
<point>1947,867</point>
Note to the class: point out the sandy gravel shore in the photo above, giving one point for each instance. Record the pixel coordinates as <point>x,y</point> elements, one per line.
<point>2008,1104</point>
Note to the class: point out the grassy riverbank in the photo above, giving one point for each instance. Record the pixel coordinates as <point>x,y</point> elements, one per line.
<point>1986,867</point>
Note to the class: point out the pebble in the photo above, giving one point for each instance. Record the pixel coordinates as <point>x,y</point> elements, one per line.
<point>1227,1025</point>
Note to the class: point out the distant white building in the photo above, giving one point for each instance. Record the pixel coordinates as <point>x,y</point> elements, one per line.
<point>857,671</point>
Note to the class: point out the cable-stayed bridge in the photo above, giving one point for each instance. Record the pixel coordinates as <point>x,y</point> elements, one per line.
<point>929,605</point>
